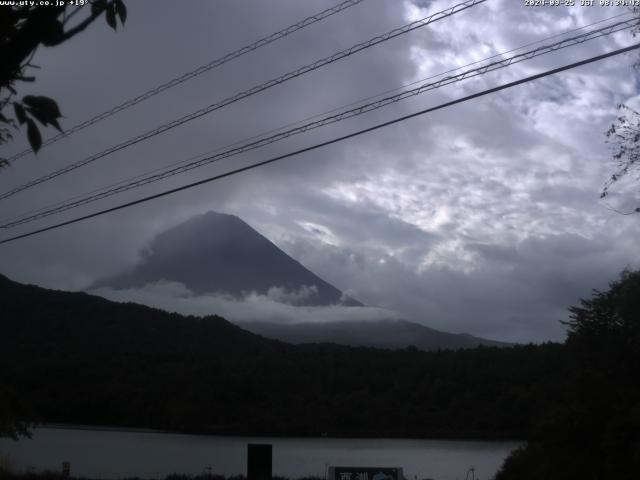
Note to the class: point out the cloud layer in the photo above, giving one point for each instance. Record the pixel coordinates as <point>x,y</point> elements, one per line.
<point>277,306</point>
<point>482,218</point>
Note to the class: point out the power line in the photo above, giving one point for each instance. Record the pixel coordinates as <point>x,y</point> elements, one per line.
<point>503,63</point>
<point>194,73</point>
<point>298,122</point>
<point>326,143</point>
<point>252,91</point>
<point>332,119</point>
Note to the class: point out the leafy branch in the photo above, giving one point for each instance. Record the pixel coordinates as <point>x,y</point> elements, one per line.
<point>624,134</point>
<point>23,29</point>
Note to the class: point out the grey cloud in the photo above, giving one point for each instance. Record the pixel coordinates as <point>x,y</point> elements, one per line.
<point>481,218</point>
<point>516,293</point>
<point>276,306</point>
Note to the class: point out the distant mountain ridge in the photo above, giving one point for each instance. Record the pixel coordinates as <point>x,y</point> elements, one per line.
<point>74,358</point>
<point>220,253</point>
<point>388,334</point>
<point>215,253</point>
<point>92,323</point>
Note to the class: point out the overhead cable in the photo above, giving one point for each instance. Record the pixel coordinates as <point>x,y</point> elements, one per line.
<point>194,73</point>
<point>299,122</point>
<point>252,91</point>
<point>323,144</point>
<point>368,107</point>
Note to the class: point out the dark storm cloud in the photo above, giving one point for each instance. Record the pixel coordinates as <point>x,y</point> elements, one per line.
<point>510,290</point>
<point>159,42</point>
<point>481,218</point>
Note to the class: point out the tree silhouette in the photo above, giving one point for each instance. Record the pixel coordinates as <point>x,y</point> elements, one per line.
<point>613,315</point>
<point>23,29</point>
<point>624,135</point>
<point>594,432</point>
<point>12,415</point>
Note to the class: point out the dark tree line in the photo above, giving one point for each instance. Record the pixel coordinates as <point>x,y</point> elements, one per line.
<point>595,432</point>
<point>81,359</point>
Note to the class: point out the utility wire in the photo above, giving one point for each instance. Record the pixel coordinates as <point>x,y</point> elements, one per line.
<point>543,50</point>
<point>298,122</point>
<point>252,91</point>
<point>324,144</point>
<point>194,73</point>
<point>362,109</point>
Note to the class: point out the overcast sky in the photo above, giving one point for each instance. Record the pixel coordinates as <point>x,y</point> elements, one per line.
<point>481,218</point>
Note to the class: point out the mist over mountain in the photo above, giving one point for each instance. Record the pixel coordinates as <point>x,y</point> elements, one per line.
<point>388,334</point>
<point>220,253</point>
<point>217,264</point>
<point>79,359</point>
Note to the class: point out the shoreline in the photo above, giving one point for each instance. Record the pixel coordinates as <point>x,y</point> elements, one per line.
<point>105,428</point>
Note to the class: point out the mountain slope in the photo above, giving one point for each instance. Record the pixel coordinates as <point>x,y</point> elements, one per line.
<point>93,324</point>
<point>79,359</point>
<point>390,334</point>
<point>219,253</point>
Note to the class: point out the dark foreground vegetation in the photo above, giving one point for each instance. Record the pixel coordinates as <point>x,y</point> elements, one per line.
<point>80,359</point>
<point>593,432</point>
<point>58,476</point>
<point>74,358</point>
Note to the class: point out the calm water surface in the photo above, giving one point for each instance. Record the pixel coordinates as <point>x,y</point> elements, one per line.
<point>110,454</point>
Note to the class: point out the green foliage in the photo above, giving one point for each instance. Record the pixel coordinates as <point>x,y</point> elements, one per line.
<point>82,359</point>
<point>23,29</point>
<point>624,135</point>
<point>595,432</point>
<point>609,317</point>
<point>43,109</point>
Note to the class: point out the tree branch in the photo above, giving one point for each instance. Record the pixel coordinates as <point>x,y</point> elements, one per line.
<point>84,24</point>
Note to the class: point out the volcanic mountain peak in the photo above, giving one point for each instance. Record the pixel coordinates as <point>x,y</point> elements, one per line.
<point>220,253</point>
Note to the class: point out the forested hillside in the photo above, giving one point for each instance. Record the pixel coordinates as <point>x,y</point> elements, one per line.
<point>75,358</point>
<point>594,432</point>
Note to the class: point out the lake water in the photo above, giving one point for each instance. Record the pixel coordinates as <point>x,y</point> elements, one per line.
<point>112,454</point>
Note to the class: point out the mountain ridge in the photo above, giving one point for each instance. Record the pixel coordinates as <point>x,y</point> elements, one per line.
<point>389,334</point>
<point>216,253</point>
<point>76,358</point>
